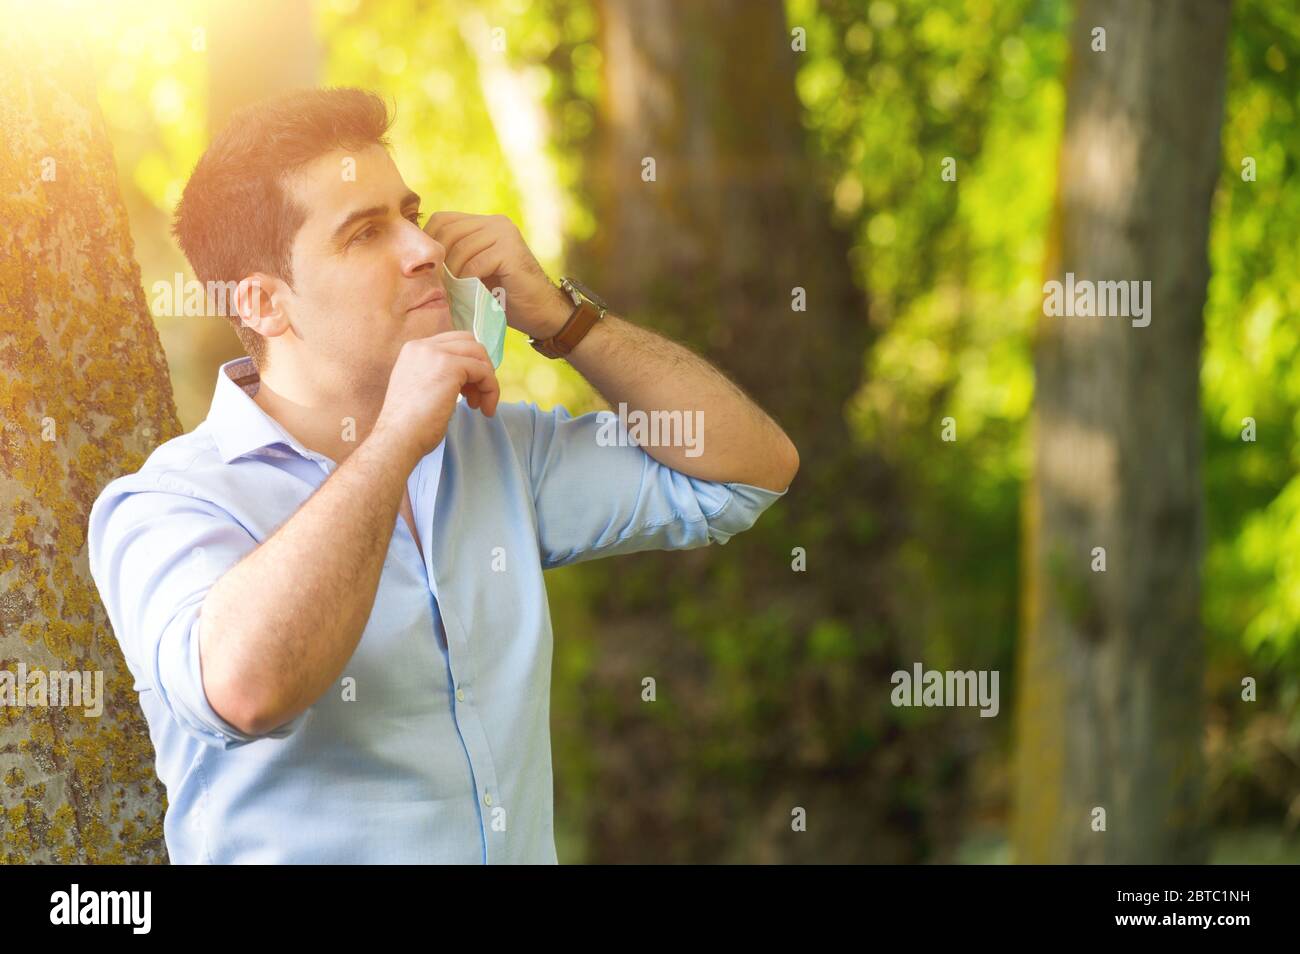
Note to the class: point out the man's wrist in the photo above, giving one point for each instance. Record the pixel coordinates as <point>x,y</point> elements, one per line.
<point>594,343</point>
<point>582,319</point>
<point>557,314</point>
<point>390,443</point>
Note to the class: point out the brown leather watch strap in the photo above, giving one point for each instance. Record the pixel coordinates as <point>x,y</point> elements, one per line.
<point>584,316</point>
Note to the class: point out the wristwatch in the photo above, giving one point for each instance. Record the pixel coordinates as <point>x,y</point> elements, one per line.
<point>588,309</point>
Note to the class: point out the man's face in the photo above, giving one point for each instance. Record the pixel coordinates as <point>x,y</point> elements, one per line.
<point>363,269</point>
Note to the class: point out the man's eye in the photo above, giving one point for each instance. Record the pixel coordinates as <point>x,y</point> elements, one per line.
<point>365,233</point>
<point>416,217</point>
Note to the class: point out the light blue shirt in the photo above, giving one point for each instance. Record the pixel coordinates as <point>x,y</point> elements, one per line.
<point>434,746</point>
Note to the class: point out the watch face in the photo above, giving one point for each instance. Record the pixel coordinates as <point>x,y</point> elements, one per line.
<point>588,294</point>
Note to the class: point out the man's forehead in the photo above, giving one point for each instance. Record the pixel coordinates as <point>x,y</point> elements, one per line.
<point>342,180</point>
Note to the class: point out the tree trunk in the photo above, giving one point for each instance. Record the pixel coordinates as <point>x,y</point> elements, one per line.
<point>84,397</point>
<point>717,251</point>
<point>1110,708</point>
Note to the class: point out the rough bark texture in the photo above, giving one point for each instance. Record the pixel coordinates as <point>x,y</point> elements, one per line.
<point>80,362</point>
<point>1110,712</point>
<point>710,253</point>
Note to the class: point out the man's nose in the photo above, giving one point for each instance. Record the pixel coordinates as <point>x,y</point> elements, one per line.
<point>423,252</point>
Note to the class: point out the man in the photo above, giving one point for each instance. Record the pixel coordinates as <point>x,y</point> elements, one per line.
<point>330,593</point>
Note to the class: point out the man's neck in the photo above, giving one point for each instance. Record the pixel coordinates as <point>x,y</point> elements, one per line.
<point>319,422</point>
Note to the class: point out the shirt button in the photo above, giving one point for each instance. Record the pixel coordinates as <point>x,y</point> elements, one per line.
<point>460,694</point>
<point>487,798</point>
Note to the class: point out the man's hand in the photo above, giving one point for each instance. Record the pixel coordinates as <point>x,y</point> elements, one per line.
<point>491,249</point>
<point>624,363</point>
<point>427,377</point>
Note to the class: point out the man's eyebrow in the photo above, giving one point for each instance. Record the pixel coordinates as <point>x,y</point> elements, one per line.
<point>373,211</point>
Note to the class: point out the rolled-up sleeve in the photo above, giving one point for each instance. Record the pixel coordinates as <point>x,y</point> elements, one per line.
<point>595,497</point>
<point>154,555</point>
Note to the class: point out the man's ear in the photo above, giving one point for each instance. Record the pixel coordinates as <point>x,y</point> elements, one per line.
<point>260,300</point>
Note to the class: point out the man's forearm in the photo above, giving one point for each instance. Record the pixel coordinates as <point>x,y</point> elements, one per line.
<point>648,372</point>
<point>277,629</point>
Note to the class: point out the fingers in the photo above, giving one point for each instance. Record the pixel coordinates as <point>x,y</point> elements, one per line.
<point>450,336</point>
<point>464,357</point>
<point>461,343</point>
<point>478,247</point>
<point>482,397</point>
<point>478,375</point>
<point>478,400</point>
<point>451,231</point>
<point>440,219</point>
<point>482,265</point>
<point>468,240</point>
<point>489,389</point>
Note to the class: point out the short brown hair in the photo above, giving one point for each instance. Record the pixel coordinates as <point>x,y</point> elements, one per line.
<point>235,217</point>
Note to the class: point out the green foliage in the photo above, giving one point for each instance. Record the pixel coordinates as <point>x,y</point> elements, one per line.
<point>1252,596</point>
<point>953,269</point>
<point>152,88</point>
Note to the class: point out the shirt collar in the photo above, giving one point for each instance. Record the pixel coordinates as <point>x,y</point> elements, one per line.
<point>238,424</point>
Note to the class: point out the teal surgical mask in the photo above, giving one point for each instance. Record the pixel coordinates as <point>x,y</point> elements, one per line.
<point>475,309</point>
